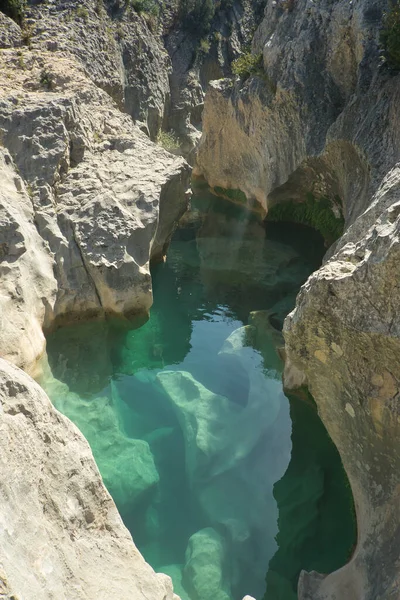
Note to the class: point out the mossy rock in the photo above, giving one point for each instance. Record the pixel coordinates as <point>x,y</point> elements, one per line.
<point>314,212</point>
<point>390,35</point>
<point>231,194</point>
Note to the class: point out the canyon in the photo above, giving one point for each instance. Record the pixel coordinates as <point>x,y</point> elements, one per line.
<point>88,199</point>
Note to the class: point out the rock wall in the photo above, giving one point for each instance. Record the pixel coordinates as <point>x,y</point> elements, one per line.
<point>323,118</point>
<point>298,125</point>
<point>115,46</point>
<point>343,338</point>
<point>199,56</point>
<point>93,187</point>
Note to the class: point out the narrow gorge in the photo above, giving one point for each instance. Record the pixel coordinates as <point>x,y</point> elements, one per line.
<point>198,266</point>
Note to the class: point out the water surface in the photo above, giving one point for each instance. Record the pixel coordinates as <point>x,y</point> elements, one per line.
<point>224,483</point>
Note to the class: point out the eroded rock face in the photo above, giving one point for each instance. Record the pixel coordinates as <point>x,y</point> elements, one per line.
<point>60,533</point>
<point>103,199</point>
<point>343,336</point>
<point>28,286</point>
<point>119,52</point>
<point>86,201</point>
<point>199,56</point>
<point>306,124</point>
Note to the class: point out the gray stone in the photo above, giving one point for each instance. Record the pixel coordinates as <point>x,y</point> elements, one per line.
<point>104,199</point>
<point>204,574</point>
<point>28,286</point>
<point>10,33</point>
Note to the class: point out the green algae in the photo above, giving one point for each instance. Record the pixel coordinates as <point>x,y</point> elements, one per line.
<point>188,422</point>
<point>234,195</point>
<point>315,506</point>
<point>314,212</point>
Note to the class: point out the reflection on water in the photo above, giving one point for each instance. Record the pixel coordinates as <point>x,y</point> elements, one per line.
<point>188,422</point>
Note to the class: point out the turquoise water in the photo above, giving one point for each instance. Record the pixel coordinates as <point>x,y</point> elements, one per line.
<point>224,483</point>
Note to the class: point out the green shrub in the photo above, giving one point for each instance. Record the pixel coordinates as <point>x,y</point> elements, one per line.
<point>149,7</point>
<point>27,33</point>
<point>226,5</point>
<point>196,15</point>
<point>316,213</point>
<point>205,45</point>
<point>390,35</point>
<point>99,8</point>
<point>248,64</point>
<point>168,141</point>
<point>82,12</point>
<point>234,195</point>
<point>46,79</point>
<point>21,61</point>
<point>14,9</point>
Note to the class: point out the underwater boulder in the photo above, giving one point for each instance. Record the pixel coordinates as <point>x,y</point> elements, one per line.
<point>204,574</point>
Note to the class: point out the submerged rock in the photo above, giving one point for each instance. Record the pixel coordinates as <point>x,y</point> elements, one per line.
<point>228,453</point>
<point>218,433</point>
<point>54,501</point>
<point>267,339</point>
<point>126,464</point>
<point>205,570</point>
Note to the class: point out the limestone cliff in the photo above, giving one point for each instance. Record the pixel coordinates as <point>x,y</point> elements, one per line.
<point>99,198</point>
<point>201,51</point>
<point>322,118</point>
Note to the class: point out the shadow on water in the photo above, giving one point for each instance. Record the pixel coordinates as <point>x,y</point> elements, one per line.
<point>317,527</point>
<point>215,473</point>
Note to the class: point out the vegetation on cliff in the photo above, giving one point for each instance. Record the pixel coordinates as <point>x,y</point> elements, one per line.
<point>248,64</point>
<point>196,15</point>
<point>315,212</point>
<point>236,196</point>
<point>13,8</point>
<point>390,35</point>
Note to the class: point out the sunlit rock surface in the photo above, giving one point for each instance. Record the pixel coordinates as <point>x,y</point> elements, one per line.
<point>86,200</point>
<point>343,336</point>
<point>103,198</point>
<point>27,280</point>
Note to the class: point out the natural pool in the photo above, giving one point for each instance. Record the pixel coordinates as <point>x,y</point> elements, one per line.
<point>224,483</point>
